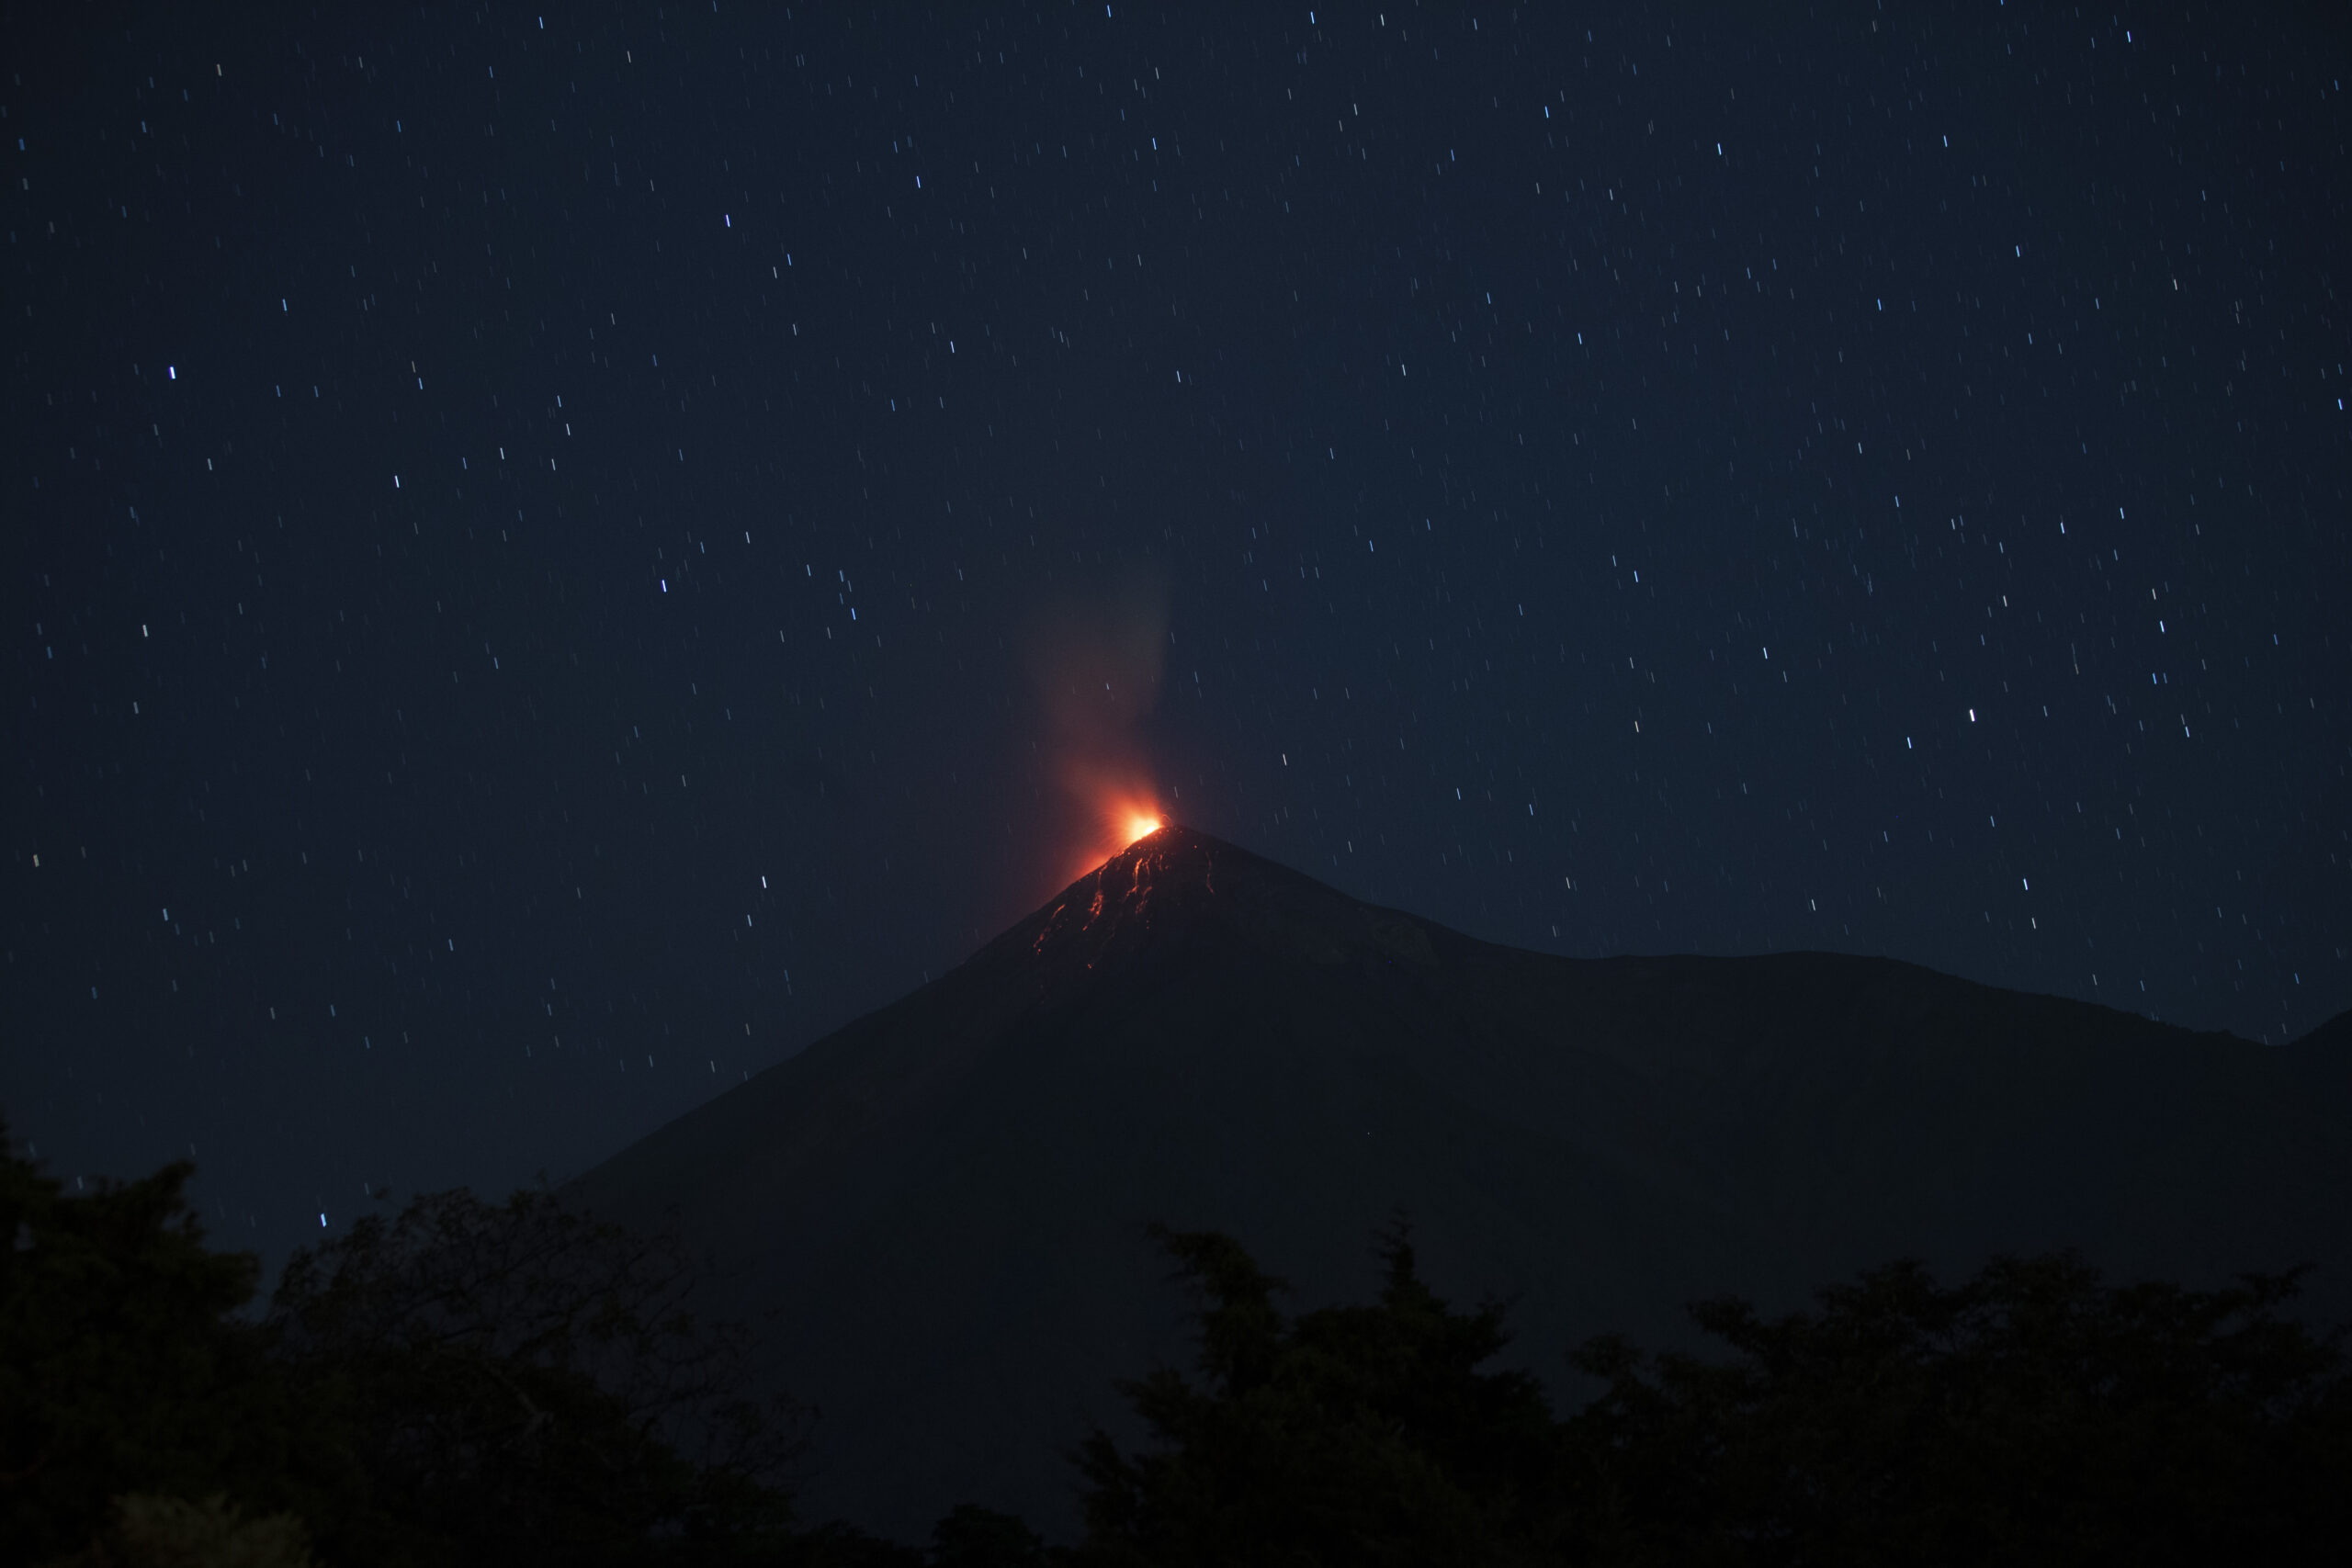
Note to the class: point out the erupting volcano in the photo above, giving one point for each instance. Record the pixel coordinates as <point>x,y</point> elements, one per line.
<point>939,1207</point>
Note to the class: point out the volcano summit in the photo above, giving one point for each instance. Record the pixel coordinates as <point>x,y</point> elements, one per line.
<point>942,1204</point>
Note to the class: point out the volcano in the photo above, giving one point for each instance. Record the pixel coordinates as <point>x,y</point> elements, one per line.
<point>937,1212</point>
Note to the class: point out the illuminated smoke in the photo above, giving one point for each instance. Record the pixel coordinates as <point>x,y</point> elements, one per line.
<point>1096,656</point>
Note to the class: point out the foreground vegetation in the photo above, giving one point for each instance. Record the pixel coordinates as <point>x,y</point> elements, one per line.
<point>511,1384</point>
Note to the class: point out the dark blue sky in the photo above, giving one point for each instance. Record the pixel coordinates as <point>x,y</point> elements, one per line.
<point>549,565</point>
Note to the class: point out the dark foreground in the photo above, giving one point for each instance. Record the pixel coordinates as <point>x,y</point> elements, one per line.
<point>513,1385</point>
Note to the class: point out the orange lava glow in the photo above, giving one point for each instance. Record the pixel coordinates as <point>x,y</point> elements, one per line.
<point>1113,805</point>
<point>1127,817</point>
<point>1123,810</point>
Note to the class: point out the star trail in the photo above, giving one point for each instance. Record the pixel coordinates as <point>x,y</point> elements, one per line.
<point>553,558</point>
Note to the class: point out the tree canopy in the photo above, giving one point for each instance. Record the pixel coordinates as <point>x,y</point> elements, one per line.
<point>465,1381</point>
<point>536,1385</point>
<point>1361,1434</point>
<point>513,1383</point>
<point>2031,1414</point>
<point>125,1368</point>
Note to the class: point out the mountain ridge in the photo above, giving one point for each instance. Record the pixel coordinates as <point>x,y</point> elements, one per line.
<point>942,1202</point>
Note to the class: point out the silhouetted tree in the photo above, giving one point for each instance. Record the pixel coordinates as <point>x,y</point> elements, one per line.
<point>1359,1435</point>
<point>126,1368</point>
<point>466,1382</point>
<point>535,1387</point>
<point>973,1537</point>
<point>2030,1415</point>
<point>511,1383</point>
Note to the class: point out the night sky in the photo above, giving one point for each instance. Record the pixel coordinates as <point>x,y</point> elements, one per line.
<point>551,562</point>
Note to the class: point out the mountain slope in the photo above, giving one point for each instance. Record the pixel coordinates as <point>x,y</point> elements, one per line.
<point>942,1202</point>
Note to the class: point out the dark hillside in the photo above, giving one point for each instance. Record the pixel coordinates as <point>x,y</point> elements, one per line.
<point>942,1201</point>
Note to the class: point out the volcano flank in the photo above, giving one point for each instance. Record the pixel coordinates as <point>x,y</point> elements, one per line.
<point>938,1210</point>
